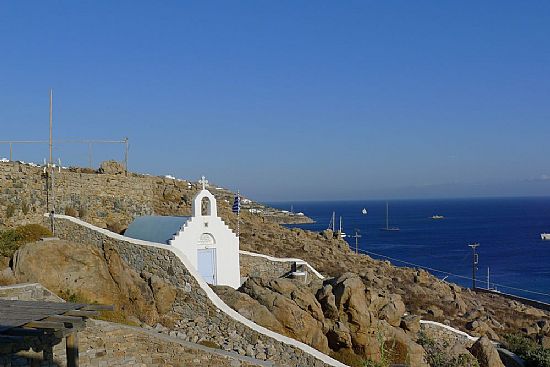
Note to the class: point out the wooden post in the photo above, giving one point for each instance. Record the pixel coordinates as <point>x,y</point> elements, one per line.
<point>47,353</point>
<point>36,362</point>
<point>72,349</point>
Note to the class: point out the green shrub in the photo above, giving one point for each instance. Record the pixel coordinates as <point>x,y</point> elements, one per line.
<point>71,212</point>
<point>82,212</point>
<point>10,210</point>
<point>438,356</point>
<point>210,344</point>
<point>12,239</point>
<point>24,207</point>
<point>347,356</point>
<point>533,354</point>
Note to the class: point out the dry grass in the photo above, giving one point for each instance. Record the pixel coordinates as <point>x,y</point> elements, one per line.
<point>118,316</point>
<point>12,239</point>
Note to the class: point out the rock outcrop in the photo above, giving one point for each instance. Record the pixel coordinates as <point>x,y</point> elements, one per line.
<point>486,353</point>
<point>111,168</point>
<point>86,273</point>
<point>338,316</point>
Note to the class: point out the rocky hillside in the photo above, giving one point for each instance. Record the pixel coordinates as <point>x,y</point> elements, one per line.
<point>107,197</point>
<point>362,299</point>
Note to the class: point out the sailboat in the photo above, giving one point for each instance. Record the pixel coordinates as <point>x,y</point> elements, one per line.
<point>332,225</point>
<point>341,232</point>
<point>388,228</point>
<point>364,211</point>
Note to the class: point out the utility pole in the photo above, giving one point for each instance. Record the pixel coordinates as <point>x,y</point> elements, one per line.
<point>51,141</point>
<point>357,236</point>
<point>52,182</point>
<point>475,261</point>
<point>126,155</point>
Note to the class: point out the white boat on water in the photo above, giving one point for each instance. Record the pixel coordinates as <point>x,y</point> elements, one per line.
<point>332,226</point>
<point>388,228</point>
<point>545,236</point>
<point>342,233</point>
<point>437,217</point>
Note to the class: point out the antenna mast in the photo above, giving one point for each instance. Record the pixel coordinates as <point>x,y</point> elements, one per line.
<point>357,236</point>
<point>52,182</point>
<point>51,142</point>
<point>475,261</point>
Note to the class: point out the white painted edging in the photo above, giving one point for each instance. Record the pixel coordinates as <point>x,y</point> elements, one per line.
<point>20,285</point>
<point>451,329</point>
<point>210,293</point>
<point>283,259</point>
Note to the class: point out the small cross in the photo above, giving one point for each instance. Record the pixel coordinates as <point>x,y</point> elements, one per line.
<point>204,182</point>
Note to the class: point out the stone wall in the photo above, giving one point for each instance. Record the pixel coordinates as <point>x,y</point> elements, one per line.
<point>107,344</point>
<point>200,320</point>
<point>100,198</point>
<point>256,265</point>
<point>28,292</point>
<point>105,200</point>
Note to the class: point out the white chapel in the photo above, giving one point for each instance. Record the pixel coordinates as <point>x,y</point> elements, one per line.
<point>209,244</point>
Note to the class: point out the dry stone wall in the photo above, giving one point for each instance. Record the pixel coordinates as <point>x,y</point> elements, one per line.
<point>28,292</point>
<point>255,266</point>
<point>106,200</point>
<point>113,345</point>
<point>259,265</point>
<point>199,319</point>
<point>99,198</point>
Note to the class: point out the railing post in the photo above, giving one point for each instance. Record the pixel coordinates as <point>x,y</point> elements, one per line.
<point>72,349</point>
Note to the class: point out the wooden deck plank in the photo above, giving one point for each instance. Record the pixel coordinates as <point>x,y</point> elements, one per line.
<point>18,313</point>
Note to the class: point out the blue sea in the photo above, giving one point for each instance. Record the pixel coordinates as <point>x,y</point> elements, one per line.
<point>507,229</point>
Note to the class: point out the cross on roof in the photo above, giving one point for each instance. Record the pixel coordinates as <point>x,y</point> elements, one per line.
<point>204,182</point>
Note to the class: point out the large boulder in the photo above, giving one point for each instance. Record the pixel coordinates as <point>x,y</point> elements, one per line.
<point>351,302</point>
<point>163,292</point>
<point>111,168</point>
<point>6,274</point>
<point>88,273</point>
<point>411,323</point>
<point>478,327</point>
<point>393,310</point>
<point>339,336</point>
<point>295,317</point>
<point>486,353</point>
<point>249,308</point>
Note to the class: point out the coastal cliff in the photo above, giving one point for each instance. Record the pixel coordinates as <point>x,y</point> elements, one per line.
<point>362,302</point>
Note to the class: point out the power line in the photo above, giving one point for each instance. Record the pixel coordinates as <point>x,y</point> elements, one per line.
<point>451,274</point>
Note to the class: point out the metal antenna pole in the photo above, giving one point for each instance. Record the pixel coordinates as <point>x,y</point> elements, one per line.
<point>475,261</point>
<point>52,180</point>
<point>357,236</point>
<point>90,155</point>
<point>126,155</point>
<point>51,142</point>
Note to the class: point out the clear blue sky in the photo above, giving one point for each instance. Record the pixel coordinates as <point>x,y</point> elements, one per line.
<point>290,100</point>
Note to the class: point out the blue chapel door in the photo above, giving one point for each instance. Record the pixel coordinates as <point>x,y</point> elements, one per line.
<point>206,261</point>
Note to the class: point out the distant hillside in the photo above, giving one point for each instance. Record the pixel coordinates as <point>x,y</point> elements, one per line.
<point>108,197</point>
